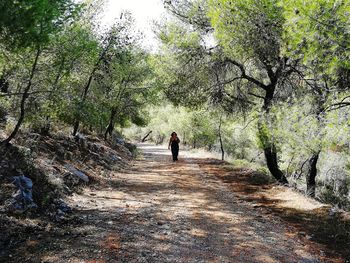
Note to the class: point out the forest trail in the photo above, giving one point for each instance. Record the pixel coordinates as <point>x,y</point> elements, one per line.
<point>160,211</point>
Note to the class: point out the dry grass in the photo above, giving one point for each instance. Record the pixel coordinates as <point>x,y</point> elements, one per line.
<point>290,199</point>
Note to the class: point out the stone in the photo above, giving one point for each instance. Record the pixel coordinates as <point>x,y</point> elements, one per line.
<point>22,199</point>
<point>77,173</point>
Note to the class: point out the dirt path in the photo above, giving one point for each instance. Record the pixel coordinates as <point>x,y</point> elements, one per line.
<point>161,211</point>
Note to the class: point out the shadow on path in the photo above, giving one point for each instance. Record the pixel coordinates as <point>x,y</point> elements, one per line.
<point>160,211</point>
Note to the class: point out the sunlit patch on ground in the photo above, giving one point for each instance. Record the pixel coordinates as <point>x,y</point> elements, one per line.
<point>160,211</point>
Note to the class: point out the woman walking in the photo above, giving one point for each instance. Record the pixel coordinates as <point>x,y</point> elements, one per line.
<point>174,144</point>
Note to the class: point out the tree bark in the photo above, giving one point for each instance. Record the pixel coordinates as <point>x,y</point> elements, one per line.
<point>145,137</point>
<point>110,127</point>
<point>25,95</point>
<point>321,97</point>
<point>221,143</point>
<point>322,94</point>
<point>83,99</point>
<point>272,164</point>
<point>75,127</point>
<point>269,146</point>
<point>311,176</point>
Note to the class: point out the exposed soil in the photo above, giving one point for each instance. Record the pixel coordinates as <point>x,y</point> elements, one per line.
<point>194,210</point>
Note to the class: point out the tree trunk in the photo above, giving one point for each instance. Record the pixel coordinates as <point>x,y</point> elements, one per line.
<point>87,86</point>
<point>46,129</point>
<point>322,96</point>
<point>221,143</point>
<point>110,127</point>
<point>109,130</point>
<point>311,176</point>
<point>145,137</point>
<point>83,99</point>
<point>272,164</point>
<point>75,127</point>
<point>268,145</point>
<point>25,95</point>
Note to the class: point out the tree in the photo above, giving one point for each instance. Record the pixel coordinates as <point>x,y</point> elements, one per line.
<point>26,23</point>
<point>108,41</point>
<point>29,25</point>
<point>318,36</point>
<point>130,90</point>
<point>246,63</point>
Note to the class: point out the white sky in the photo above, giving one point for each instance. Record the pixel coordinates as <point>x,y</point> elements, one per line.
<point>144,12</point>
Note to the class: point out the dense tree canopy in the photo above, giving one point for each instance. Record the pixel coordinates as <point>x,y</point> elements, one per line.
<point>70,72</point>
<point>25,23</point>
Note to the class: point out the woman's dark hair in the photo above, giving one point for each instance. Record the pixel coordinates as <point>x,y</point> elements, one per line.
<point>173,133</point>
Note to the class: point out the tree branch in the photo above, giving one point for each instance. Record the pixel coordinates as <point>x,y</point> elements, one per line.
<point>21,93</point>
<point>245,76</point>
<point>338,105</point>
<point>258,96</point>
<point>238,99</point>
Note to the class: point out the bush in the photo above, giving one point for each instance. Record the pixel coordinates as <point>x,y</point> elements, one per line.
<point>241,163</point>
<point>335,192</point>
<point>260,178</point>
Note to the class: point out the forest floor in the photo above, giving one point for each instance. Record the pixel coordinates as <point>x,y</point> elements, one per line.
<point>194,210</point>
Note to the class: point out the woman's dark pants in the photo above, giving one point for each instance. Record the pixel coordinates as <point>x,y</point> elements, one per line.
<point>175,152</point>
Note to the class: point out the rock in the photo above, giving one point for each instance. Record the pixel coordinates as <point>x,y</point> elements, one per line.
<point>301,233</point>
<point>62,206</point>
<point>119,141</point>
<point>77,173</point>
<point>60,212</point>
<point>115,158</point>
<point>22,199</point>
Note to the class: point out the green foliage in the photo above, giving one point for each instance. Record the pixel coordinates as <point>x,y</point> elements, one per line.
<point>248,28</point>
<point>124,79</point>
<point>31,22</point>
<point>183,68</point>
<point>275,72</point>
<point>264,136</point>
<point>73,55</point>
<point>284,62</point>
<point>195,128</point>
<point>318,33</point>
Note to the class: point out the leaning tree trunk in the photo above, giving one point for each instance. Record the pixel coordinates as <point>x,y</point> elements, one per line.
<point>269,146</point>
<point>146,136</point>
<point>25,95</point>
<point>83,99</point>
<point>110,127</point>
<point>272,164</point>
<point>312,172</point>
<point>311,176</point>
